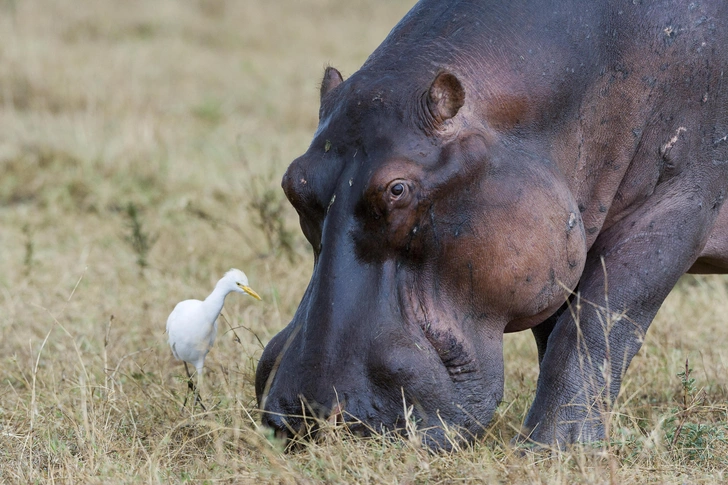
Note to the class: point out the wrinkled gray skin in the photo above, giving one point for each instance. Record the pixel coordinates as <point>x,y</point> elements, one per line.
<point>489,158</point>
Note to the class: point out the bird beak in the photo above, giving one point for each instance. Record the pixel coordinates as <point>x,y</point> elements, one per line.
<point>250,291</point>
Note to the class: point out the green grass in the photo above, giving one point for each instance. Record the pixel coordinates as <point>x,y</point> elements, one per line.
<point>189,112</point>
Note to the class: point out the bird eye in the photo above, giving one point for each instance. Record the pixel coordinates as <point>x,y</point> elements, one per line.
<point>397,189</point>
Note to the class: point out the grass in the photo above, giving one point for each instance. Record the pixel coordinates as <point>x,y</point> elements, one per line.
<point>189,112</point>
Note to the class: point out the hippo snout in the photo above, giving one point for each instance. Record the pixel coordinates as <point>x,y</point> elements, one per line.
<point>385,377</point>
<point>297,390</point>
<point>304,423</point>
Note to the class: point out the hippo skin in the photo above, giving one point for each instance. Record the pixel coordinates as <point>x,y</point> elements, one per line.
<point>495,167</point>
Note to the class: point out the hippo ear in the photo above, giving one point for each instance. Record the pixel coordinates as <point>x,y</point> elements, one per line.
<point>332,78</point>
<point>445,97</point>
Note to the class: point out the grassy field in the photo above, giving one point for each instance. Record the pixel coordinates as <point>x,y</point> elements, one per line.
<point>141,149</point>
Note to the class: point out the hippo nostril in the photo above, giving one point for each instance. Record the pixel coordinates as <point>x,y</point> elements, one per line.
<point>281,428</point>
<point>357,428</point>
<point>336,416</point>
<point>290,429</point>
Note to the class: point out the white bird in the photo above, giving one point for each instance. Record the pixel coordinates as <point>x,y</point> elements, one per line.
<point>192,325</point>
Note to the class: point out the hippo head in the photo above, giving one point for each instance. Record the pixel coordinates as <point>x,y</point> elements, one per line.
<point>434,231</point>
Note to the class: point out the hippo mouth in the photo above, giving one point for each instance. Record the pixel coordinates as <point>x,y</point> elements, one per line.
<point>418,307</point>
<point>441,326</point>
<point>424,374</point>
<point>461,367</point>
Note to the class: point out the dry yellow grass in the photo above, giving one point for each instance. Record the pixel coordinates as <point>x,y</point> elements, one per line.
<point>189,112</point>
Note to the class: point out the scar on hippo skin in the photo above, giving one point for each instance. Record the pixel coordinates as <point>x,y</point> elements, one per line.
<point>671,161</point>
<point>572,221</point>
<point>667,147</point>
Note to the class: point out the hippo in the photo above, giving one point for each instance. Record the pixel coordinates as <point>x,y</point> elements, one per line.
<point>493,167</point>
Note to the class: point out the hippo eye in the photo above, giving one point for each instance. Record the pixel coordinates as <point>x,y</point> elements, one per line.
<point>397,189</point>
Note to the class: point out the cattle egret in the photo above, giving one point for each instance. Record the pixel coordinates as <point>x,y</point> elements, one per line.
<point>192,325</point>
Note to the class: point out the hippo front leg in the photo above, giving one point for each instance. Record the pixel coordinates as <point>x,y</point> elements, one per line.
<point>629,271</point>
<point>542,331</point>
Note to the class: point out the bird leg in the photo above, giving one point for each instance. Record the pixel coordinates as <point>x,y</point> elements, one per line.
<point>191,387</point>
<point>199,385</point>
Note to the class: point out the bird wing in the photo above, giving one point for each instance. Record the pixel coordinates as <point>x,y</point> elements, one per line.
<point>211,335</point>
<point>180,311</point>
<point>188,331</point>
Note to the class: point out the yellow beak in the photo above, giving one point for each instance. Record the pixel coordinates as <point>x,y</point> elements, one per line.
<point>251,292</point>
